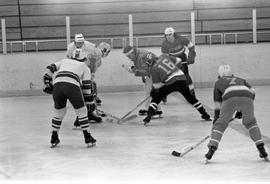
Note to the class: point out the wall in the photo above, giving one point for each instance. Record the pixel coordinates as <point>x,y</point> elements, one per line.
<point>45,19</point>
<point>250,61</point>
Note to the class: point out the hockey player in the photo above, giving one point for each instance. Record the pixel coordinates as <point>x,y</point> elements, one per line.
<point>139,68</point>
<point>79,46</point>
<point>178,46</point>
<point>232,94</point>
<point>71,82</point>
<point>94,61</point>
<point>168,78</point>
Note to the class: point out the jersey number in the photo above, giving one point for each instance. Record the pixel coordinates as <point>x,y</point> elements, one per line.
<point>167,67</point>
<point>232,82</point>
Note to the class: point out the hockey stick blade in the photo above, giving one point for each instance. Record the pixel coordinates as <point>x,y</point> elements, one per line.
<point>176,154</point>
<point>126,115</point>
<point>190,148</point>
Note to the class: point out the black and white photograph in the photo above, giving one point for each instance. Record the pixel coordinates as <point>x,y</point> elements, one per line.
<point>134,91</point>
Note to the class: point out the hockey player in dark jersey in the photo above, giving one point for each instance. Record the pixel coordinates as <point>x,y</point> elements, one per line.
<point>168,78</point>
<point>71,82</point>
<point>139,68</point>
<point>178,46</point>
<point>232,94</point>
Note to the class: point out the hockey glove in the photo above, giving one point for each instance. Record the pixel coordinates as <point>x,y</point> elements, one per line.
<point>48,88</point>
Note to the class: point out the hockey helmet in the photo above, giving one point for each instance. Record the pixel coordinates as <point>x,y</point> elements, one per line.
<point>150,58</point>
<point>169,31</point>
<point>105,48</point>
<point>79,37</point>
<point>224,70</point>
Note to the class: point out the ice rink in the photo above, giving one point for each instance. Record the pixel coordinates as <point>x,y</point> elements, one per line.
<point>130,152</point>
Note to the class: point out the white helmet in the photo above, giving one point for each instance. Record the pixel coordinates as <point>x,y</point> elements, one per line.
<point>224,70</point>
<point>105,48</point>
<point>169,31</point>
<point>79,37</point>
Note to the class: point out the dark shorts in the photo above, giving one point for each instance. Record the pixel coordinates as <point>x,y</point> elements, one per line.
<point>63,91</point>
<point>180,86</point>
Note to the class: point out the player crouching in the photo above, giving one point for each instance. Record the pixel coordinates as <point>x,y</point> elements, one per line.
<point>168,78</point>
<point>72,82</point>
<point>233,94</point>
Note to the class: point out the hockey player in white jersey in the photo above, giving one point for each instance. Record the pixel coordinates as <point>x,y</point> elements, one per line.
<point>71,82</point>
<point>94,61</point>
<point>94,55</point>
<point>79,46</point>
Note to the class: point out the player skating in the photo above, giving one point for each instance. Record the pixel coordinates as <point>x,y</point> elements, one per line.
<point>168,78</point>
<point>179,46</point>
<point>71,82</point>
<point>139,68</point>
<point>79,48</point>
<point>232,94</point>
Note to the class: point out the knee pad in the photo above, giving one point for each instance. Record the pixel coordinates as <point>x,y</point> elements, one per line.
<point>81,112</point>
<point>60,113</point>
<point>249,123</point>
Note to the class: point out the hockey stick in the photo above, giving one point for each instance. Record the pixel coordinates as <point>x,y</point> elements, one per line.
<point>104,114</point>
<point>179,154</point>
<point>121,119</point>
<point>188,149</point>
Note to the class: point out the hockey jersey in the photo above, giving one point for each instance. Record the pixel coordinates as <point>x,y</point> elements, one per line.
<point>71,71</point>
<point>88,50</point>
<point>178,48</point>
<point>73,51</point>
<point>140,61</point>
<point>165,71</point>
<point>231,86</point>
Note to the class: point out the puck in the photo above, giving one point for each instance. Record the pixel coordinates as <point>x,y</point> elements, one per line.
<point>175,153</point>
<point>103,115</point>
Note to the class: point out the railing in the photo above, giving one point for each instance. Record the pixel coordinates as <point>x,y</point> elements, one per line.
<point>124,40</point>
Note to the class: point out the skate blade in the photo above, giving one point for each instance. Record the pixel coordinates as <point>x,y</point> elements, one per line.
<point>90,145</point>
<point>146,123</point>
<point>266,159</point>
<point>54,145</point>
<point>206,161</point>
<point>156,117</point>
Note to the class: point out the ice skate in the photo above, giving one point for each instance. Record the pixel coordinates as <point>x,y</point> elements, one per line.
<point>89,140</point>
<point>206,117</point>
<point>143,112</point>
<point>210,154</point>
<point>54,139</point>
<point>94,118</point>
<point>147,119</point>
<point>263,153</point>
<point>157,114</point>
<point>98,101</point>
